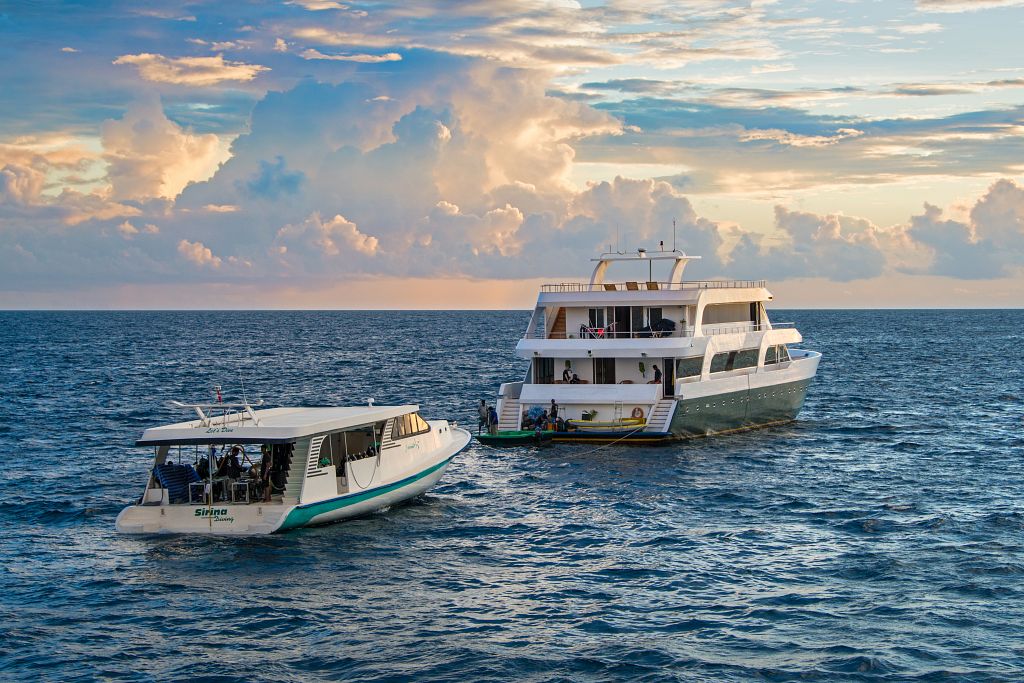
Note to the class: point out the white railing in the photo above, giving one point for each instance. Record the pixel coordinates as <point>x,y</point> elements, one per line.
<point>609,332</point>
<point>730,328</point>
<point>650,286</point>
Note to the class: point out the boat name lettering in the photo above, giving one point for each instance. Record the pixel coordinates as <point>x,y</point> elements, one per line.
<point>219,430</point>
<point>211,512</point>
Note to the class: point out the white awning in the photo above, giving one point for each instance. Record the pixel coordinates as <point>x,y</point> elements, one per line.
<point>276,425</point>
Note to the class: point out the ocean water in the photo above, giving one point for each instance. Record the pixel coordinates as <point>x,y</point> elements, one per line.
<point>879,537</point>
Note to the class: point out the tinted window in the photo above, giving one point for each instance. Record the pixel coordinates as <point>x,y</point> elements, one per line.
<point>746,358</point>
<point>689,367</point>
<point>409,425</point>
<point>769,356</point>
<point>720,362</point>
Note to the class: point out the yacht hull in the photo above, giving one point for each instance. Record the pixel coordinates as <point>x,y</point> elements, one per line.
<point>765,400</point>
<point>739,410</point>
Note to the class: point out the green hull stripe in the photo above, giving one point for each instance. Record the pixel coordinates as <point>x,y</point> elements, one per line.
<point>301,514</point>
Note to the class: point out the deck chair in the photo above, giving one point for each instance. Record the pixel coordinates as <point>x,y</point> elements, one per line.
<point>632,286</point>
<point>610,287</point>
<point>652,286</point>
<point>176,478</point>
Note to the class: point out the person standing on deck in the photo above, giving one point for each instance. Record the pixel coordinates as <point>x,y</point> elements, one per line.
<point>484,416</point>
<point>492,421</point>
<point>553,412</point>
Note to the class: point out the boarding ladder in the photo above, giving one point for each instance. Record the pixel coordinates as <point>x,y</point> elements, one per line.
<point>511,413</point>
<point>660,418</point>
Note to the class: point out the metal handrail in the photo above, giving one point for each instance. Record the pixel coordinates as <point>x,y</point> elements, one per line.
<point>681,332</point>
<point>642,286</point>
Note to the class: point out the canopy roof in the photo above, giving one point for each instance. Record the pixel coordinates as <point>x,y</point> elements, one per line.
<point>274,425</point>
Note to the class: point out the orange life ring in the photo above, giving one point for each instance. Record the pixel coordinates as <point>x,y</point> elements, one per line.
<point>638,413</point>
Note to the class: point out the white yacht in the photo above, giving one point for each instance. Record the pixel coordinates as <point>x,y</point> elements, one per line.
<point>246,471</point>
<point>654,361</point>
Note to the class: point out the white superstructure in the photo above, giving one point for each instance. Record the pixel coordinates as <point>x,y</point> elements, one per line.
<point>690,357</point>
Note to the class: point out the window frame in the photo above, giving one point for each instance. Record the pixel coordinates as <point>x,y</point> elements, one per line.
<point>410,418</point>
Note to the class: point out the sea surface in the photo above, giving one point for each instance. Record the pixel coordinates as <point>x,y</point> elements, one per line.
<point>878,537</point>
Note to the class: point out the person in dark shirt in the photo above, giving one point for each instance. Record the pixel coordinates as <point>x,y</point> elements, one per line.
<point>657,375</point>
<point>553,411</point>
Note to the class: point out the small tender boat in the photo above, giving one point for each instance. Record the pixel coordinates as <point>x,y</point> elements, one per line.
<point>247,471</point>
<point>625,424</point>
<point>515,438</point>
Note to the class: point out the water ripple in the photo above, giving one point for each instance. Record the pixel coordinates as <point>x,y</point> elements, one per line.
<point>877,538</point>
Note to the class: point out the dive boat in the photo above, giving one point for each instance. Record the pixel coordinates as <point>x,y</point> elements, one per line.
<point>661,360</point>
<point>246,471</point>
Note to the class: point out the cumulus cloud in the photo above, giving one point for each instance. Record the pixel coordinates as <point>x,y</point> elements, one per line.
<point>20,184</point>
<point>316,239</point>
<point>989,244</point>
<point>151,156</point>
<point>195,71</point>
<point>199,254</point>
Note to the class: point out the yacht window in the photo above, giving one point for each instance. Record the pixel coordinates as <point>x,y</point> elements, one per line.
<point>636,318</point>
<point>720,361</point>
<point>597,317</point>
<point>653,316</point>
<point>407,425</point>
<point>604,371</point>
<point>783,353</point>
<point>689,367</point>
<point>747,358</point>
<point>543,370</point>
<point>770,357</point>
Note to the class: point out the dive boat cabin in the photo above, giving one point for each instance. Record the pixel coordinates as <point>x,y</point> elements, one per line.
<point>654,356</point>
<point>236,470</point>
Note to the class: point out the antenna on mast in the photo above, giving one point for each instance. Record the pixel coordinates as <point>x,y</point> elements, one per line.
<point>673,234</point>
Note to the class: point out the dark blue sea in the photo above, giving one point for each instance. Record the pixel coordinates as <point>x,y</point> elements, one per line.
<point>879,537</point>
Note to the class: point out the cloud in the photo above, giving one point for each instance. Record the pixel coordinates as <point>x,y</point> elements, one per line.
<point>318,5</point>
<point>363,58</point>
<point>315,239</point>
<point>20,184</point>
<point>127,230</point>
<point>989,244</point>
<point>964,5</point>
<point>68,49</point>
<point>198,254</point>
<point>195,71</point>
<point>835,247</point>
<point>151,156</point>
<point>796,140</point>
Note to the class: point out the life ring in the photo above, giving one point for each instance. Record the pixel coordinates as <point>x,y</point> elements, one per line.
<point>638,413</point>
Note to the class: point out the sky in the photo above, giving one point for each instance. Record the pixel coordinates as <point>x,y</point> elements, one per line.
<point>457,154</point>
